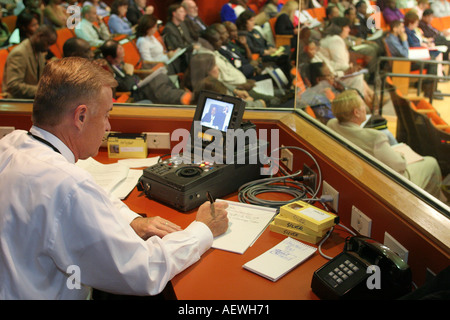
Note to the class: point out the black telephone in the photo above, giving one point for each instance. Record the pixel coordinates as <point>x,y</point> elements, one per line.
<point>346,275</point>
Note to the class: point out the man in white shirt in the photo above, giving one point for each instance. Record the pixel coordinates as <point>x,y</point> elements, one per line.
<point>96,35</point>
<point>61,234</point>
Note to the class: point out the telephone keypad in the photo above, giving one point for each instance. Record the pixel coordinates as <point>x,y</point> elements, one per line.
<point>341,273</point>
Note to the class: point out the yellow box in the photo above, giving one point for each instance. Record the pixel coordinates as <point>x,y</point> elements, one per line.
<point>309,216</point>
<point>127,145</point>
<point>293,233</point>
<point>285,222</point>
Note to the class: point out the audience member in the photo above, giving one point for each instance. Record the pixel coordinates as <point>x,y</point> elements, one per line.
<point>391,12</point>
<point>137,9</point>
<point>159,90</point>
<point>311,54</point>
<point>103,9</point>
<point>69,219</point>
<point>232,10</point>
<point>25,63</point>
<point>439,37</point>
<point>269,10</point>
<point>77,47</point>
<point>234,56</point>
<point>339,5</point>
<point>204,74</point>
<point>331,12</point>
<point>176,34</point>
<point>118,22</point>
<point>88,30</point>
<point>350,113</point>
<point>193,22</point>
<point>441,8</point>
<point>422,5</point>
<point>55,15</point>
<point>26,25</point>
<point>150,49</point>
<point>397,40</point>
<point>284,25</point>
<point>238,42</point>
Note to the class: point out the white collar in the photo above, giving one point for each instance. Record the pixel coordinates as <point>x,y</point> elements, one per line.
<point>62,148</point>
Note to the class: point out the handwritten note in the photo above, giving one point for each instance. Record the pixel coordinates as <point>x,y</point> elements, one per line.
<point>278,261</point>
<point>246,223</point>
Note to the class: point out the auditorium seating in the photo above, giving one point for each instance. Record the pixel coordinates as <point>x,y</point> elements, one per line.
<point>418,130</point>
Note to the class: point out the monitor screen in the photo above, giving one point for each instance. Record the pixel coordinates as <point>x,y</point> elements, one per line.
<point>216,114</point>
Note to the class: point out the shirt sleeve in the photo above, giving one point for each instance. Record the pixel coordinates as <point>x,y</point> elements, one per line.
<point>384,152</point>
<point>92,233</point>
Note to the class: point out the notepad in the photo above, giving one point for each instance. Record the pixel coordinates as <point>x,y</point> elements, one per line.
<point>281,259</point>
<point>246,223</point>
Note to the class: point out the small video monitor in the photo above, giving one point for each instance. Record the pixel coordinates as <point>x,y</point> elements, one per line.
<point>216,113</point>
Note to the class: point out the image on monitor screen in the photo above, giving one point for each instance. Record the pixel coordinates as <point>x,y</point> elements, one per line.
<point>216,114</point>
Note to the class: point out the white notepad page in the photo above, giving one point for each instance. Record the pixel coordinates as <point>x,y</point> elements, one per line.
<point>246,223</point>
<point>276,262</point>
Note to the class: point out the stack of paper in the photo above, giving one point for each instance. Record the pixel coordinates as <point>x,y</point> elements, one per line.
<point>278,261</point>
<point>116,178</point>
<point>246,223</point>
<point>304,222</point>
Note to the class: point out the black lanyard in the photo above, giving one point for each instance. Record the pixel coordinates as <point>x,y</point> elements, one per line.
<point>44,141</point>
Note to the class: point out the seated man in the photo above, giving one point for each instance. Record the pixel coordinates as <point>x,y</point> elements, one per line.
<point>62,234</point>
<point>159,90</point>
<point>87,30</point>
<point>26,62</point>
<point>350,113</point>
<point>77,47</point>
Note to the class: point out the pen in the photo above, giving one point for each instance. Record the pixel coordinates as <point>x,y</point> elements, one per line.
<point>211,200</point>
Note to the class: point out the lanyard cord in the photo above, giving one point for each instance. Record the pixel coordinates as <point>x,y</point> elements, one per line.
<point>44,141</point>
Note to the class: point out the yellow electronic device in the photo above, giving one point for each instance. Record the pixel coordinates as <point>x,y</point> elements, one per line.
<point>309,216</point>
<point>127,145</point>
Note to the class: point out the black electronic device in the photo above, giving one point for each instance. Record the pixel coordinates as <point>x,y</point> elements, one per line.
<point>183,180</point>
<point>184,185</point>
<point>346,276</point>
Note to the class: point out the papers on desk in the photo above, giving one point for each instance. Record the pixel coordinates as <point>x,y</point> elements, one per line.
<point>116,179</point>
<point>418,53</point>
<point>246,223</point>
<point>278,261</point>
<point>409,154</point>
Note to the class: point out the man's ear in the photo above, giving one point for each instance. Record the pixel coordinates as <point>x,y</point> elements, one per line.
<point>79,116</point>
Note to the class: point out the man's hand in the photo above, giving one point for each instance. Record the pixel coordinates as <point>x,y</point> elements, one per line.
<point>153,226</point>
<point>218,224</point>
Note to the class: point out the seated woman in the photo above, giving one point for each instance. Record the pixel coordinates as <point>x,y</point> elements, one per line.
<point>258,45</point>
<point>118,22</point>
<point>203,74</point>
<point>149,47</point>
<point>350,112</point>
<point>284,24</point>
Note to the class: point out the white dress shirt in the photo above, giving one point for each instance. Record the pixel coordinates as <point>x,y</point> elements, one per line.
<point>151,49</point>
<point>55,216</point>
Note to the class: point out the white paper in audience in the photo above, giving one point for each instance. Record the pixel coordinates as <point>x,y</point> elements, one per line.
<point>264,87</point>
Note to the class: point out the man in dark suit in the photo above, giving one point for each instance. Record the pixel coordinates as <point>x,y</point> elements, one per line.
<point>194,23</point>
<point>137,9</point>
<point>432,33</point>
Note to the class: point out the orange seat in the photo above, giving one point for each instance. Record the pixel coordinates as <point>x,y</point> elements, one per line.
<point>132,55</point>
<point>63,35</point>
<point>10,22</point>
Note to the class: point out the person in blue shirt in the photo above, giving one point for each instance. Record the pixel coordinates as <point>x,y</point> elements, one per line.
<point>231,10</point>
<point>118,22</point>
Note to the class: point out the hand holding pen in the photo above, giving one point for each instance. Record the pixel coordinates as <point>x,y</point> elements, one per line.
<point>214,216</point>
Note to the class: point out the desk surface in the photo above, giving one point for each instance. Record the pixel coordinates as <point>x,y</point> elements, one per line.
<point>219,275</point>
